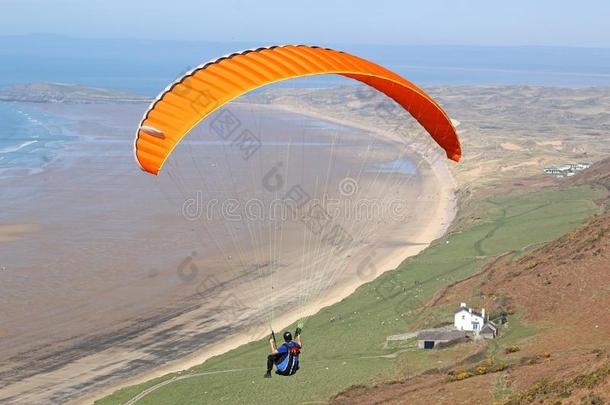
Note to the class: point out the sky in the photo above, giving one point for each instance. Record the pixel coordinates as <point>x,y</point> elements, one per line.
<point>581,23</point>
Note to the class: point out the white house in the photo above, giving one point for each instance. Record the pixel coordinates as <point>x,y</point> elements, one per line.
<point>467,319</point>
<point>579,166</point>
<point>567,168</point>
<point>552,170</point>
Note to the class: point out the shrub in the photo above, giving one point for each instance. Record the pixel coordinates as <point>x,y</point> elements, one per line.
<point>487,362</point>
<point>462,375</point>
<point>484,367</point>
<point>481,370</point>
<point>512,349</point>
<point>592,379</point>
<point>459,375</point>
<point>592,399</point>
<point>545,389</point>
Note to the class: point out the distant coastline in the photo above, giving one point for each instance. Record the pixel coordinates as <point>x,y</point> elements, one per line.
<point>66,93</point>
<point>145,67</point>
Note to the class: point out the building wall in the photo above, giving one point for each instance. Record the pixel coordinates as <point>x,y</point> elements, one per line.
<point>464,320</point>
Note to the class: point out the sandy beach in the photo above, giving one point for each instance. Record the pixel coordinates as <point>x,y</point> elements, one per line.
<point>108,282</point>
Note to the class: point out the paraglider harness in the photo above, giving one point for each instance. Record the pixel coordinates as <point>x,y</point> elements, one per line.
<point>287,363</point>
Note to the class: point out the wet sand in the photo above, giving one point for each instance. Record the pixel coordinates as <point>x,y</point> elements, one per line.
<point>107,280</point>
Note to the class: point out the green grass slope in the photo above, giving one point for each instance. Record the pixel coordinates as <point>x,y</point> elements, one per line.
<point>350,349</point>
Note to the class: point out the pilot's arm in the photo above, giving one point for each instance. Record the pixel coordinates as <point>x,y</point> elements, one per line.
<point>272,346</point>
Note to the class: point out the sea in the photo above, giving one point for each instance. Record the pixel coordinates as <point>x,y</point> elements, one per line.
<point>31,138</point>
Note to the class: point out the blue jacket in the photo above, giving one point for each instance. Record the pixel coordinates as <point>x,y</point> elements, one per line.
<point>289,360</point>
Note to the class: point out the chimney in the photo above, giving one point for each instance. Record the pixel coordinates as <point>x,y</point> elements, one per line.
<point>483,314</point>
<point>470,310</point>
<point>463,305</point>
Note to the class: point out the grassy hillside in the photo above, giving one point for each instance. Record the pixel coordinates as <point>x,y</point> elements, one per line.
<point>555,347</point>
<point>349,350</point>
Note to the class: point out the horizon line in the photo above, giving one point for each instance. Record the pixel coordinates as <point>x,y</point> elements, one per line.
<point>258,41</point>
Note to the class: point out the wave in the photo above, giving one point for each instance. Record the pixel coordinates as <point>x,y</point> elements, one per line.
<point>16,148</point>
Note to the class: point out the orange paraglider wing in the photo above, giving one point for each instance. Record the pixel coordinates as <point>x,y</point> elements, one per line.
<point>204,89</point>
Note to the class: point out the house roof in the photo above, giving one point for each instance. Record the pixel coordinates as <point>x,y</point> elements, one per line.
<point>489,327</point>
<point>460,309</point>
<point>441,334</point>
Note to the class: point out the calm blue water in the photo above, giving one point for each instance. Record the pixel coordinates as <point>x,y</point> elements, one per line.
<point>400,166</point>
<point>29,138</point>
<point>146,67</point>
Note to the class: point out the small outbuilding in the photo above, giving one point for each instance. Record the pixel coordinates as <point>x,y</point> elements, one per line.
<point>489,331</point>
<point>433,339</point>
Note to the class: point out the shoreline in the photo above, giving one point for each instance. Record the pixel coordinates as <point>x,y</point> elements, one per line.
<point>90,128</point>
<point>446,211</point>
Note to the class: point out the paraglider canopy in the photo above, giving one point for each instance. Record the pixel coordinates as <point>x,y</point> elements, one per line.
<point>208,87</point>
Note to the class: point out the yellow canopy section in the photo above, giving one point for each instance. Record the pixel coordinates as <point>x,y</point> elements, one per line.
<point>198,93</point>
